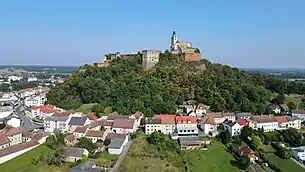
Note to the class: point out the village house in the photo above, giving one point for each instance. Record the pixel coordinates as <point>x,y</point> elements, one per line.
<point>59,121</point>
<point>294,122</point>
<point>10,136</point>
<point>107,124</point>
<point>73,154</point>
<point>246,122</point>
<point>186,125</point>
<point>70,140</point>
<point>160,123</point>
<point>115,115</point>
<point>138,117</point>
<point>116,146</point>
<point>220,117</point>
<point>266,122</point>
<point>95,136</point>
<point>80,132</point>
<point>275,108</point>
<point>233,127</point>
<point>299,113</point>
<point>246,151</point>
<point>298,153</point>
<point>85,167</point>
<point>200,110</point>
<point>43,111</point>
<point>283,122</point>
<point>124,126</point>
<point>208,125</point>
<point>78,122</point>
<point>95,125</point>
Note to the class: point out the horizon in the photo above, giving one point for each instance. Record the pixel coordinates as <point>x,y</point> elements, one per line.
<point>259,34</point>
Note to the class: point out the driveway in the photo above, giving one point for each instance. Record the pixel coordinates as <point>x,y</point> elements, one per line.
<point>122,156</point>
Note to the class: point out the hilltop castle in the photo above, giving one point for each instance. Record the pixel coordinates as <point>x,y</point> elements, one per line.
<point>151,57</point>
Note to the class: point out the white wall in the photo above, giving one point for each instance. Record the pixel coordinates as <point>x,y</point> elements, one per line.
<point>14,155</point>
<point>115,151</point>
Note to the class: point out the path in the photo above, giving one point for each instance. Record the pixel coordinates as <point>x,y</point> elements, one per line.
<point>122,156</point>
<point>300,164</point>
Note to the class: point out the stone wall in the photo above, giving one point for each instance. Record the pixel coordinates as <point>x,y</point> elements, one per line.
<point>191,57</point>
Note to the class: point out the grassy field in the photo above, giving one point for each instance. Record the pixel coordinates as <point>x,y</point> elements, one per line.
<point>215,159</point>
<point>23,163</point>
<point>284,164</point>
<point>105,159</point>
<point>143,157</point>
<point>85,108</point>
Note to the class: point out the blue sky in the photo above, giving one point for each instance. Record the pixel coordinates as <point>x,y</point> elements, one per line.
<point>241,33</point>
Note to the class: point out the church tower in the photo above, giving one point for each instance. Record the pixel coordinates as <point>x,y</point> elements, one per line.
<point>174,41</point>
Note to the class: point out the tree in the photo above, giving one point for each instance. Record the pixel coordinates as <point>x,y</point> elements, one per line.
<point>244,162</point>
<point>246,132</point>
<point>291,105</point>
<point>225,137</point>
<point>56,156</point>
<point>87,144</point>
<point>53,141</point>
<point>255,142</point>
<point>107,142</point>
<point>280,98</point>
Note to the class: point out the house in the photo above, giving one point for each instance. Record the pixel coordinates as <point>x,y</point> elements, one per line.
<point>190,142</point>
<point>186,125</point>
<point>233,127</point>
<point>91,116</point>
<point>35,101</point>
<point>265,122</point>
<point>73,154</point>
<point>220,117</point>
<point>246,122</point>
<point>230,116</point>
<point>56,122</point>
<point>208,125</point>
<point>78,122</point>
<point>80,132</point>
<point>283,122</point>
<point>243,115</point>
<point>200,110</point>
<point>160,123</point>
<point>10,136</point>
<point>70,140</point>
<point>189,108</point>
<point>246,151</point>
<point>138,116</point>
<point>116,146</point>
<point>299,113</point>
<point>95,125</point>
<point>43,111</point>
<point>112,136</point>
<point>124,126</point>
<point>94,136</point>
<point>107,124</point>
<point>85,167</point>
<point>294,122</point>
<point>275,108</point>
<point>298,153</point>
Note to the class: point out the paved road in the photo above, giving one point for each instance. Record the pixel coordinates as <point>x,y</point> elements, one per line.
<point>122,156</point>
<point>300,164</point>
<point>27,124</point>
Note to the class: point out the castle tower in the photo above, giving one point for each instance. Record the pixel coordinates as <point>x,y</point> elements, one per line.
<point>174,41</point>
<point>150,58</point>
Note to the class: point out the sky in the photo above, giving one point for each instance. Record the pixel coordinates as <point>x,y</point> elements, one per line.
<point>240,33</point>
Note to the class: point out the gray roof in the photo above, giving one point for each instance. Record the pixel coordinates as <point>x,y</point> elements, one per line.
<point>56,118</point>
<point>85,167</point>
<point>74,152</point>
<point>292,118</point>
<point>153,121</point>
<point>78,121</point>
<point>116,143</point>
<point>243,114</point>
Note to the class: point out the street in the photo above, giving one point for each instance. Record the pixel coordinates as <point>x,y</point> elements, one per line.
<point>122,156</point>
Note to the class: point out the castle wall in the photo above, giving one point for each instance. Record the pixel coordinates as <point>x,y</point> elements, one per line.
<point>191,57</point>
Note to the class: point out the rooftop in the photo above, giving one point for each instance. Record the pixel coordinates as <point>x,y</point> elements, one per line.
<point>208,120</point>
<point>78,121</point>
<point>116,143</point>
<point>17,148</point>
<point>92,133</point>
<point>85,167</point>
<point>243,114</point>
<point>149,120</point>
<point>70,137</point>
<point>299,111</point>
<point>292,118</point>
<point>112,136</point>
<point>185,119</point>
<point>80,130</point>
<point>281,119</point>
<point>10,131</point>
<point>57,118</point>
<point>123,123</point>
<point>264,118</point>
<point>6,109</point>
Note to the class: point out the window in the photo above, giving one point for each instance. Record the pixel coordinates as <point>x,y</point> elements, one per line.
<point>192,130</point>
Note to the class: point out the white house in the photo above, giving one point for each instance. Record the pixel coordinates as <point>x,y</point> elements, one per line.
<point>298,153</point>
<point>35,101</point>
<point>124,126</point>
<point>233,127</point>
<point>294,122</point>
<point>80,132</point>
<point>53,123</point>
<point>14,121</point>
<point>14,78</point>
<point>267,122</point>
<point>208,125</point>
<point>43,111</point>
<point>116,146</point>
<point>200,110</point>
<point>186,125</point>
<point>299,113</point>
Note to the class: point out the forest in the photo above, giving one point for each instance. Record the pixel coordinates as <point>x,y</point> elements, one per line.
<point>126,87</point>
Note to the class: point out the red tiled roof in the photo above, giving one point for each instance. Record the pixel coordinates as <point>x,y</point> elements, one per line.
<point>200,106</point>
<point>80,129</point>
<point>123,123</point>
<point>94,124</point>
<point>208,120</point>
<point>185,119</point>
<point>17,148</point>
<point>10,131</point>
<point>3,140</point>
<point>28,134</point>
<point>64,113</point>
<point>108,123</point>
<point>92,133</point>
<point>164,115</point>
<point>281,119</point>
<point>265,118</point>
<point>112,136</point>
<point>242,122</point>
<point>91,116</point>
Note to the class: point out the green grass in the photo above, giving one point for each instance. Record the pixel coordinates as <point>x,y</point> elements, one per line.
<point>85,108</point>
<point>105,159</point>
<point>215,159</point>
<point>285,165</point>
<point>23,163</point>
<point>143,157</point>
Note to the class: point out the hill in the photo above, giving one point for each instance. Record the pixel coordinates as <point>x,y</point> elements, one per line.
<point>126,87</point>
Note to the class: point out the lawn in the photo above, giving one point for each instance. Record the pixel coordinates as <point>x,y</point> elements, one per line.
<point>23,163</point>
<point>284,164</point>
<point>85,108</point>
<point>105,159</point>
<point>143,157</point>
<point>215,159</point>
